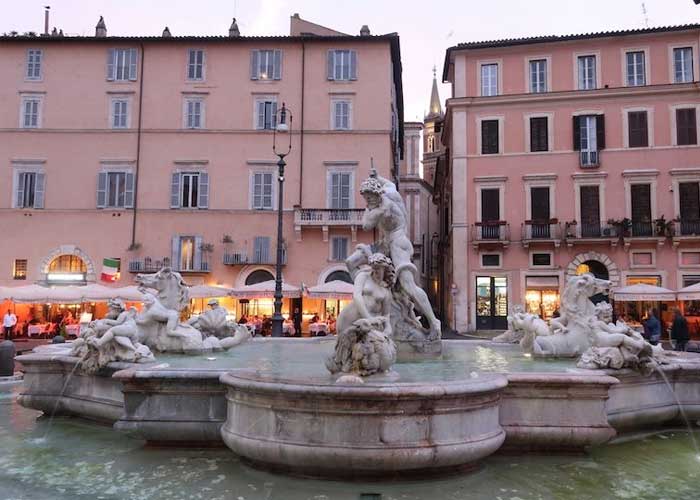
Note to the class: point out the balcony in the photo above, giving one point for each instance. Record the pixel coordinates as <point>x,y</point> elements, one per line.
<point>590,233</point>
<point>327,217</point>
<point>495,233</point>
<point>686,231</point>
<point>547,231</point>
<point>151,265</point>
<point>589,159</point>
<point>258,258</point>
<point>643,232</point>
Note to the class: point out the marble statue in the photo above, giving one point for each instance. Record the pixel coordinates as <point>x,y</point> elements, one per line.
<point>570,334</point>
<point>364,345</point>
<point>213,322</point>
<point>616,345</point>
<point>519,323</point>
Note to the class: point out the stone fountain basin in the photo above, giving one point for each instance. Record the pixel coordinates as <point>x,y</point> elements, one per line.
<point>376,428</point>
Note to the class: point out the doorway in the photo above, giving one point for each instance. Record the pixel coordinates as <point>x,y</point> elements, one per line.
<point>491,303</point>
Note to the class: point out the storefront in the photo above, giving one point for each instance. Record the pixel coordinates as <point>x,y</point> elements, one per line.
<point>542,295</point>
<point>491,303</point>
<point>635,312</point>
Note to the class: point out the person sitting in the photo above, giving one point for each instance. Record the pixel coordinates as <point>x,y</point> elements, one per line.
<point>314,318</point>
<point>266,328</point>
<point>243,320</point>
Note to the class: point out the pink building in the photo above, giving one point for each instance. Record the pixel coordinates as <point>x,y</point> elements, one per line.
<point>156,150</point>
<point>566,154</point>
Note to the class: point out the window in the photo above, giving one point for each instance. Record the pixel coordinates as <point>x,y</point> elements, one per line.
<point>189,190</point>
<point>194,113</point>
<point>538,75</point>
<point>339,190</point>
<point>19,269</point>
<point>636,72</point>
<point>339,248</point>
<point>265,64</point>
<point>539,134</point>
<point>689,207</point>
<point>121,65</point>
<point>589,137</point>
<point>341,114</point>
<point>638,129</point>
<point>590,211</point>
<point>490,260</point>
<point>115,190</point>
<point>29,191</point>
<point>586,72</point>
<point>541,259</point>
<point>489,137</point>
<point>34,59</point>
<point>261,250</point>
<point>31,112</point>
<point>266,113</point>
<point>120,113</point>
<point>342,65</point>
<point>195,64</point>
<point>187,253</point>
<point>262,191</point>
<point>641,209</point>
<point>489,79</point>
<point>683,64</point>
<point>686,127</point>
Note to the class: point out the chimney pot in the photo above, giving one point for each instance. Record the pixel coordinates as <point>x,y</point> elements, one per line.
<point>101,28</point>
<point>364,31</point>
<point>233,29</point>
<point>166,33</point>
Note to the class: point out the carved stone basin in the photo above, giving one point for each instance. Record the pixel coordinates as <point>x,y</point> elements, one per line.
<point>376,428</point>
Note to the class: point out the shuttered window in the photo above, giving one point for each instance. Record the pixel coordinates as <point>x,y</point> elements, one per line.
<point>194,113</point>
<point>590,211</point>
<point>121,64</point>
<point>641,209</point>
<point>262,191</point>
<point>539,204</point>
<point>683,64</point>
<point>342,65</point>
<point>489,79</point>
<point>189,190</point>
<point>490,205</point>
<point>266,64</point>
<point>34,59</point>
<point>538,75</point>
<point>30,190</point>
<point>689,199</point>
<point>489,137</point>
<point>339,248</point>
<point>686,127</point>
<point>339,190</point>
<point>266,114</point>
<point>638,129</point>
<point>636,72</point>
<point>195,64</point>
<point>589,132</point>
<point>586,72</point>
<point>539,134</point>
<point>115,190</point>
<point>261,249</point>
<point>341,114</point>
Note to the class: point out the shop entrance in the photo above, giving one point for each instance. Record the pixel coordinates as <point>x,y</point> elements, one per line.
<point>542,295</point>
<point>491,303</point>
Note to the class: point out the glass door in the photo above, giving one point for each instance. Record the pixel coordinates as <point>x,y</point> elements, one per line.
<point>491,303</point>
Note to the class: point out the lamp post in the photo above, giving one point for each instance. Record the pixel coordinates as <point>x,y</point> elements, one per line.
<point>283,126</point>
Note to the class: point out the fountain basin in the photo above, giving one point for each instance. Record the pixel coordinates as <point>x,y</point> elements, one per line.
<point>376,428</point>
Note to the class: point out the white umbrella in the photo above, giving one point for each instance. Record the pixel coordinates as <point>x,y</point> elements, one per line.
<point>263,290</point>
<point>643,291</point>
<point>208,291</point>
<point>336,289</point>
<point>691,292</point>
<point>67,294</point>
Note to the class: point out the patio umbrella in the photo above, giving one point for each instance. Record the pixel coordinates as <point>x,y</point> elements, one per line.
<point>264,290</point>
<point>208,291</point>
<point>72,294</point>
<point>691,292</point>
<point>643,291</point>
<point>334,290</point>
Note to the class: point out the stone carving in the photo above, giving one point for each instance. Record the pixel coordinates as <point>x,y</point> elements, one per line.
<point>519,323</point>
<point>387,214</point>
<point>160,328</point>
<point>364,345</point>
<point>570,334</point>
<point>213,323</point>
<point>616,345</point>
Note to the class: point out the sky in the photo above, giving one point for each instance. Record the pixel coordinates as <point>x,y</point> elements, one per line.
<point>426,27</point>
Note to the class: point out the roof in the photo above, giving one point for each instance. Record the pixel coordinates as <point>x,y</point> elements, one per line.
<point>510,42</point>
<point>196,38</point>
<point>435,106</point>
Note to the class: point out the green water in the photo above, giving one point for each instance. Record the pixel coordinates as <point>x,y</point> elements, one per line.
<point>290,359</point>
<point>81,460</point>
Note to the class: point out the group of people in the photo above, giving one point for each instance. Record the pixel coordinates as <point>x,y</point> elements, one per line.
<point>13,327</point>
<point>262,325</point>
<point>680,333</point>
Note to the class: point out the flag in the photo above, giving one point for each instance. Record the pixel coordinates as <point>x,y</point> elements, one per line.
<point>110,270</point>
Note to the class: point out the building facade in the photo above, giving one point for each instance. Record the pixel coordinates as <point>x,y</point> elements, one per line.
<point>567,154</point>
<point>158,150</point>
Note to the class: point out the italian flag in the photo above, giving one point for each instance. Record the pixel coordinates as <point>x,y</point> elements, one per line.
<point>110,270</point>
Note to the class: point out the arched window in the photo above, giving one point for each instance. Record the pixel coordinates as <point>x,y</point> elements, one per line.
<point>431,143</point>
<point>259,276</point>
<point>68,269</point>
<point>339,276</point>
<point>598,270</point>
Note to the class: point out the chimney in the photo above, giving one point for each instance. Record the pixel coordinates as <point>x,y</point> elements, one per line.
<point>46,19</point>
<point>364,31</point>
<point>166,33</point>
<point>101,28</point>
<point>233,29</point>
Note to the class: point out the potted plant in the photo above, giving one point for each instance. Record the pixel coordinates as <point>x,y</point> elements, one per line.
<point>134,247</point>
<point>570,228</point>
<point>227,239</point>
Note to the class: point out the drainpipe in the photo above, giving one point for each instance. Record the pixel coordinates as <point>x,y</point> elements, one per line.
<point>138,148</point>
<point>301,129</point>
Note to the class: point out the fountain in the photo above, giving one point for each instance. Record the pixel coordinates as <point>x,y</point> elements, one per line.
<point>388,397</point>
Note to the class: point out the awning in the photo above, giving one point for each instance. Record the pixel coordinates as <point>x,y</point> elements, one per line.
<point>691,292</point>
<point>265,290</point>
<point>642,291</point>
<point>336,289</point>
<point>29,294</point>
<point>542,282</point>
<point>208,291</point>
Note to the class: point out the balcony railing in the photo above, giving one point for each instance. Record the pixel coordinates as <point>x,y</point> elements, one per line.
<point>687,227</point>
<point>591,230</point>
<point>244,258</point>
<point>541,230</point>
<point>328,216</point>
<point>150,265</point>
<point>589,159</point>
<point>487,232</point>
<point>642,229</point>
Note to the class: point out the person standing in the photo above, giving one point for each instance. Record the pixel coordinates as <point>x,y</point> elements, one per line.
<point>679,331</point>
<point>653,328</point>
<point>296,318</point>
<point>8,322</point>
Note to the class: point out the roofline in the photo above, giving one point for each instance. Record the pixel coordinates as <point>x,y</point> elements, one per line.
<point>194,38</point>
<point>512,42</point>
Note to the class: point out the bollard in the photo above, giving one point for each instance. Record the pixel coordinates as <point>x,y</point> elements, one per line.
<point>7,358</point>
<point>58,339</point>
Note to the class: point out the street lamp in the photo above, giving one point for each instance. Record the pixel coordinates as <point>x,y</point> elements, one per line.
<point>283,126</point>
